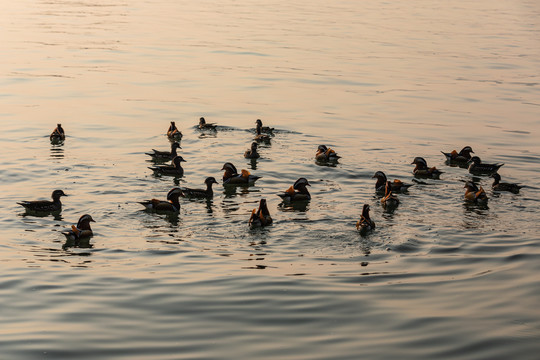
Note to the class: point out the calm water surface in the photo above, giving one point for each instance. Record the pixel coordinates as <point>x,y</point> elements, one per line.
<point>381,82</point>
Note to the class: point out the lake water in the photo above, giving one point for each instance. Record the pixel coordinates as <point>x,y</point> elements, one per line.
<point>379,81</point>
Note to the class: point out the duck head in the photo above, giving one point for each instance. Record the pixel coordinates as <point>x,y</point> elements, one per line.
<point>301,183</point>
<point>258,122</point>
<point>174,193</point>
<point>466,151</point>
<point>470,186</point>
<point>321,149</point>
<point>176,145</point>
<point>365,211</point>
<point>476,160</point>
<point>229,167</point>
<point>254,147</point>
<point>210,180</point>
<point>202,121</point>
<point>57,193</point>
<point>84,222</point>
<point>497,177</point>
<point>379,175</point>
<point>177,160</point>
<point>420,163</point>
<point>263,208</point>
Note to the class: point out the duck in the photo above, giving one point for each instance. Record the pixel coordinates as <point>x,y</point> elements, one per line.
<point>464,156</point>
<point>175,169</point>
<point>45,206</point>
<point>499,186</point>
<point>165,155</point>
<point>81,230</point>
<point>260,137</point>
<point>389,200</point>
<point>203,125</point>
<point>365,224</point>
<point>265,129</point>
<point>297,192</point>
<point>173,132</point>
<point>260,217</point>
<point>397,185</point>
<point>252,153</point>
<point>171,205</point>
<point>58,134</point>
<point>325,154</point>
<point>475,194</point>
<point>477,167</point>
<point>231,176</point>
<point>201,193</point>
<point>422,169</point>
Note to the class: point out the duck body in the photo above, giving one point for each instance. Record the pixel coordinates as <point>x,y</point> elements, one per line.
<point>58,134</point>
<point>45,206</point>
<point>325,154</point>
<point>477,167</point>
<point>422,170</point>
<point>165,155</point>
<point>260,217</point>
<point>397,185</point>
<point>389,201</point>
<point>462,157</point>
<point>201,193</point>
<point>173,132</point>
<point>499,186</point>
<point>264,129</point>
<point>297,192</point>
<point>203,125</point>
<point>252,153</point>
<point>260,137</point>
<point>474,194</point>
<point>171,205</point>
<point>232,177</point>
<point>365,224</point>
<point>81,230</point>
<point>175,169</point>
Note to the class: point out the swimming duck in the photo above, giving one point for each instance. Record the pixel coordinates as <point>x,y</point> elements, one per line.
<point>397,185</point>
<point>175,169</point>
<point>422,170</point>
<point>45,206</point>
<point>499,186</point>
<point>231,176</point>
<point>260,137</point>
<point>171,205</point>
<point>201,193</point>
<point>462,157</point>
<point>173,132</point>
<point>477,167</point>
<point>165,155</point>
<point>389,200</point>
<point>365,224</point>
<point>474,194</point>
<point>203,125</point>
<point>297,192</point>
<point>58,134</point>
<point>81,230</point>
<point>252,153</point>
<point>326,154</point>
<point>260,217</point>
<point>265,129</point>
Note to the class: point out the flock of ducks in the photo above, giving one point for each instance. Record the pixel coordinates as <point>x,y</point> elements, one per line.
<point>297,192</point>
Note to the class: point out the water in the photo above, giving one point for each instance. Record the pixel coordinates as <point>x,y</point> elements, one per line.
<point>381,82</point>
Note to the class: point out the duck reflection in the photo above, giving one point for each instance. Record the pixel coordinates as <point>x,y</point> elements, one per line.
<point>57,152</point>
